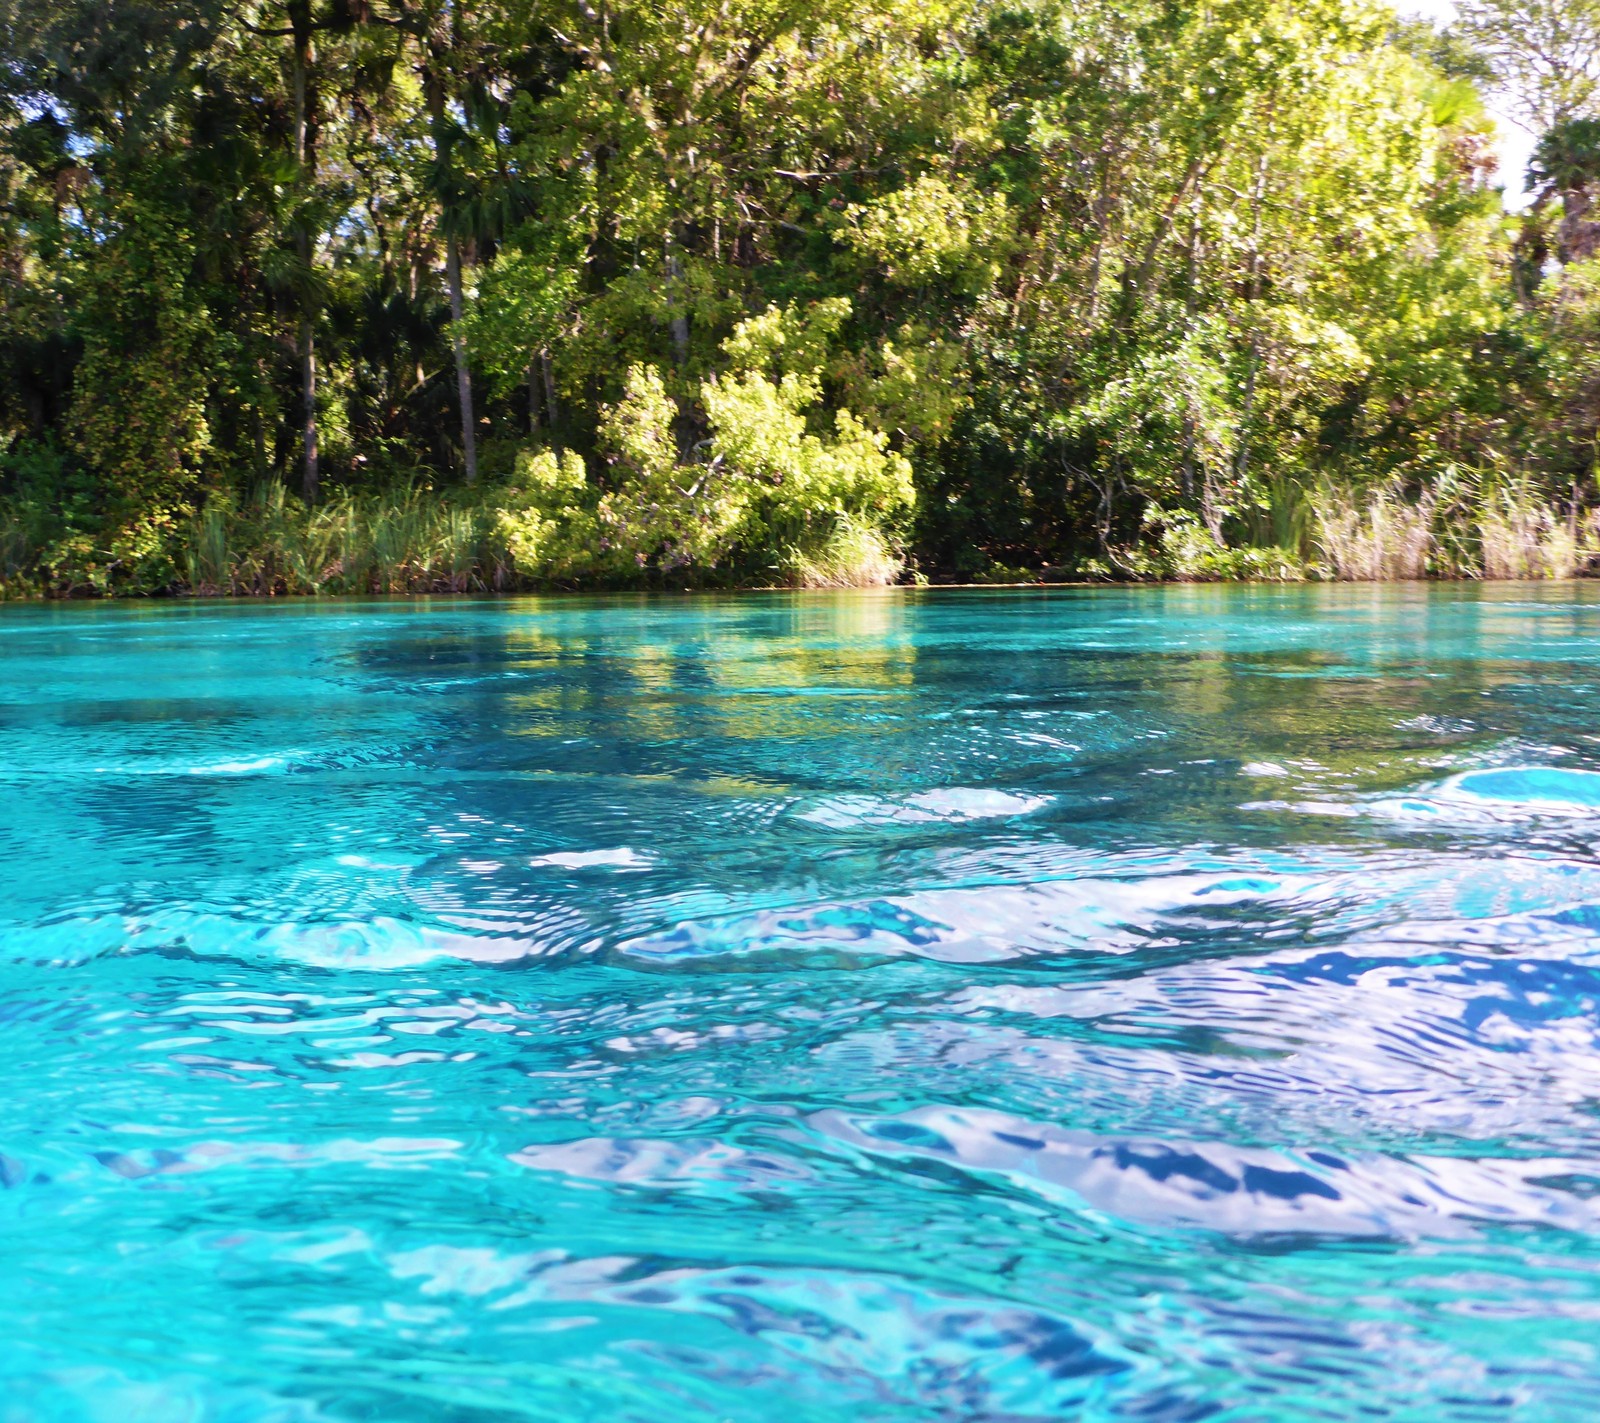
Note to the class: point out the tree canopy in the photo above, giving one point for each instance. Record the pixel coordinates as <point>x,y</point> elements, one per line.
<point>701,291</point>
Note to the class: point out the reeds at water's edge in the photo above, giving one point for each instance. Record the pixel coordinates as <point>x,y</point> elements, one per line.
<point>1386,538</point>
<point>410,541</point>
<point>853,556</point>
<point>1451,529</point>
<point>415,540</point>
<point>1457,524</point>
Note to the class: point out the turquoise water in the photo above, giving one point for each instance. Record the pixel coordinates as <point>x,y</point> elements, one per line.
<point>1150,1005</point>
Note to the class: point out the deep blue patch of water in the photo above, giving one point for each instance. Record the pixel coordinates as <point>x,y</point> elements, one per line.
<point>1157,1005</point>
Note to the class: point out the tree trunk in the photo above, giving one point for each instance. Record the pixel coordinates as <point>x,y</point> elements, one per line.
<point>532,378</point>
<point>1579,236</point>
<point>552,407</point>
<point>678,326</point>
<point>312,482</point>
<point>458,343</point>
<point>305,157</point>
<point>1191,304</point>
<point>259,430</point>
<point>433,84</point>
<point>1247,410</point>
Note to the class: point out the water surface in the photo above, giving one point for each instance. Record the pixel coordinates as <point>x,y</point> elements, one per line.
<point>1154,1004</point>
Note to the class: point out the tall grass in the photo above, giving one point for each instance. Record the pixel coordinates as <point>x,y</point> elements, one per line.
<point>1524,538</point>
<point>414,541</point>
<point>1383,537</point>
<point>17,557</point>
<point>852,556</point>
<point>410,541</point>
<point>1461,526</point>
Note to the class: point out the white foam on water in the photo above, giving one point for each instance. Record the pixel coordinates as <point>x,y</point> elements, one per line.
<point>955,805</point>
<point>622,859</point>
<point>241,768</point>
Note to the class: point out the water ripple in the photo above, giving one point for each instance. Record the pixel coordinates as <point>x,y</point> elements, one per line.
<point>1161,1005</point>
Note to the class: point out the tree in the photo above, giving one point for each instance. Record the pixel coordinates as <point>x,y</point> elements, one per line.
<point>301,30</point>
<point>1105,282</point>
<point>1545,53</point>
<point>1566,165</point>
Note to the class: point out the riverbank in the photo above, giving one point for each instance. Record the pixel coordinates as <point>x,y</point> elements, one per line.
<point>525,536</point>
<point>801,301</point>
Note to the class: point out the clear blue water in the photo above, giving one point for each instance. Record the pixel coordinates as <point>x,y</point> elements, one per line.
<point>1145,1005</point>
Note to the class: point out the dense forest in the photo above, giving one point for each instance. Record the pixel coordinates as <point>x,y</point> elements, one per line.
<point>415,294</point>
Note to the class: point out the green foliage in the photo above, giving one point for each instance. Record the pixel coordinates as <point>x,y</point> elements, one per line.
<point>270,543</point>
<point>803,485</point>
<point>550,533</point>
<point>657,513</point>
<point>1137,289</point>
<point>761,484</point>
<point>524,307</point>
<point>1187,551</point>
<point>915,384</point>
<point>761,494</point>
<point>930,232</point>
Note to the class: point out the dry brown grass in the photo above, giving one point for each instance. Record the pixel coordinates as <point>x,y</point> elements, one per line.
<point>1523,538</point>
<point>1384,537</point>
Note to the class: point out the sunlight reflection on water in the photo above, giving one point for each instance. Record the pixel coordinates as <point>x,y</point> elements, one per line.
<point>1160,1004</point>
